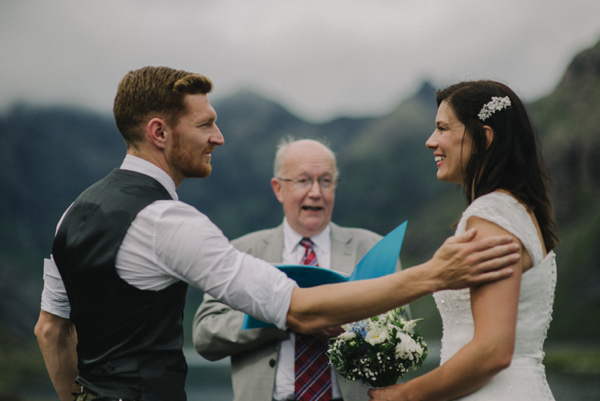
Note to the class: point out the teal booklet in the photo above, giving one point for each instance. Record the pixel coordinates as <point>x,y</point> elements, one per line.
<point>381,260</point>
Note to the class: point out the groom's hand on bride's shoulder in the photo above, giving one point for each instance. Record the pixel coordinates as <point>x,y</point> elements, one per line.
<point>463,262</point>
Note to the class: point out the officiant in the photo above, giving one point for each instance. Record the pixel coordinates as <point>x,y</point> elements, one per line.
<point>262,360</point>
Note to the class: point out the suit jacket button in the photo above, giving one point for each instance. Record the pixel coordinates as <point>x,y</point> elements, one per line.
<point>272,363</point>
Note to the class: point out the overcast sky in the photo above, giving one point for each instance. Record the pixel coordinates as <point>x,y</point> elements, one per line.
<point>318,58</point>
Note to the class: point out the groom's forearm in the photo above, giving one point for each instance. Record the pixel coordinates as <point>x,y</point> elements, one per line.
<point>58,340</point>
<point>457,264</point>
<point>334,304</point>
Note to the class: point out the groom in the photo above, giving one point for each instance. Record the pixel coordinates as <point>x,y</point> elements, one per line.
<point>262,360</point>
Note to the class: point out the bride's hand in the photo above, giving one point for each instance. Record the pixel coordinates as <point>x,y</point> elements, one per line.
<point>390,393</point>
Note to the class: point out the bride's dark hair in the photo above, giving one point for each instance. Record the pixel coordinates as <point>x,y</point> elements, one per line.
<point>512,162</point>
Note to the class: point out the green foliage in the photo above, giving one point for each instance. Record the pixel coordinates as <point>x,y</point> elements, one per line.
<point>20,362</point>
<point>573,359</point>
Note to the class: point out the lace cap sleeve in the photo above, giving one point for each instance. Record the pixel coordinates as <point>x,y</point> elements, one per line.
<point>506,212</point>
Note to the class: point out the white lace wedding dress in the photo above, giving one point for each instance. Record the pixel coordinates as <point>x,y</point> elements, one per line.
<point>525,379</point>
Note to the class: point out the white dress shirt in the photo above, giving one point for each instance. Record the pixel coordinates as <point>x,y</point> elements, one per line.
<point>170,241</point>
<point>292,254</point>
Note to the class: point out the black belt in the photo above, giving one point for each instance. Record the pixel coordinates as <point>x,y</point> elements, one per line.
<point>87,395</point>
<point>333,399</point>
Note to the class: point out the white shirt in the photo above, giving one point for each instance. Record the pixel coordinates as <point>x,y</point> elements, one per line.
<point>292,254</point>
<point>171,241</point>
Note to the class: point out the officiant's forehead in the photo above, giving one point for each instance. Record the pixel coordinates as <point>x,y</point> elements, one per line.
<point>308,157</point>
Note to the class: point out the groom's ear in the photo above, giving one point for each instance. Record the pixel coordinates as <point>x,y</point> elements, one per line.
<point>156,132</point>
<point>489,135</point>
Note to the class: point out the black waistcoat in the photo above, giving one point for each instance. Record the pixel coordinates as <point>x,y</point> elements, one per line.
<point>129,340</point>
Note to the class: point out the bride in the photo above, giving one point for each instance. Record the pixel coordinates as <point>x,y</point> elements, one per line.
<point>492,346</point>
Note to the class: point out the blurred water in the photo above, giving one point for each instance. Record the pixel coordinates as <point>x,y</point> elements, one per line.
<point>211,380</point>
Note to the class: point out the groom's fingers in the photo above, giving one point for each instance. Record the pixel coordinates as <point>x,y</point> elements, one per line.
<point>492,242</point>
<point>463,248</point>
<point>465,263</point>
<point>464,237</point>
<point>479,245</point>
<point>493,259</point>
<point>499,257</point>
<point>495,269</point>
<point>493,252</point>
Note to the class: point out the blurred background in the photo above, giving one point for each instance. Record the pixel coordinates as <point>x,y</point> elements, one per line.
<point>361,75</point>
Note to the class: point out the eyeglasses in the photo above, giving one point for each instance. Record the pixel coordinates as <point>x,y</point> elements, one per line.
<point>305,183</point>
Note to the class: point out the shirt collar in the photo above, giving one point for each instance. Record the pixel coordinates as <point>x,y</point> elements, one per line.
<point>139,165</point>
<point>292,238</point>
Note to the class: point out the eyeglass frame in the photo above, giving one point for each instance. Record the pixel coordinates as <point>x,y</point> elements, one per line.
<point>310,182</point>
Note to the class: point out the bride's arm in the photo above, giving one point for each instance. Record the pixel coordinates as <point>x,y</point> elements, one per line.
<point>494,308</point>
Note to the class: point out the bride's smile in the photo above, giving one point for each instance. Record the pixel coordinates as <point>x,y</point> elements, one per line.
<point>451,145</point>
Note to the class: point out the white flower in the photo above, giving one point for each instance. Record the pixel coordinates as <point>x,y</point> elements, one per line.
<point>377,335</point>
<point>407,346</point>
<point>390,315</point>
<point>410,325</point>
<point>347,335</point>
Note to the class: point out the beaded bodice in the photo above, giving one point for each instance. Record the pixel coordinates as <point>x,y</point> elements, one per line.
<point>536,295</point>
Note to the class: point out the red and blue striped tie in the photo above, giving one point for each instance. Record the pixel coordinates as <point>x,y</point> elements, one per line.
<point>312,369</point>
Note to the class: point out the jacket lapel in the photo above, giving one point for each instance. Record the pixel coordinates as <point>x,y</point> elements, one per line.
<point>343,254</point>
<point>273,245</point>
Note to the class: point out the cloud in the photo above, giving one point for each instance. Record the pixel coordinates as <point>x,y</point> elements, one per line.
<point>319,58</point>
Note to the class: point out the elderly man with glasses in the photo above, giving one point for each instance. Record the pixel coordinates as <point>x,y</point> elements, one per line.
<point>263,367</point>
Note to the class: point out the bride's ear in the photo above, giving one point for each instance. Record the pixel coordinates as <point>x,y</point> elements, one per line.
<point>489,135</point>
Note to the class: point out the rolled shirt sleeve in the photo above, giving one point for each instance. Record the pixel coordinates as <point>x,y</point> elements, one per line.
<point>181,243</point>
<point>170,241</point>
<point>54,295</point>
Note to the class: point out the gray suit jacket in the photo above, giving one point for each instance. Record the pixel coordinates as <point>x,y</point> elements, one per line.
<point>217,328</point>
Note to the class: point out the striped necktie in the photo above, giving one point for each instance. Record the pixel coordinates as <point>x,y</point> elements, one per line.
<point>310,257</point>
<point>312,369</point>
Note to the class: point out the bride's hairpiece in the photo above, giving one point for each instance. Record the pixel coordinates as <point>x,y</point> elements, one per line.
<point>496,104</point>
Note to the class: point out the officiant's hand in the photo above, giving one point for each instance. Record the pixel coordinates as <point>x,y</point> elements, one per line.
<point>462,263</point>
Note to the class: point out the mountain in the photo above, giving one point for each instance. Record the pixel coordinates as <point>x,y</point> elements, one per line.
<point>49,155</point>
<point>569,123</point>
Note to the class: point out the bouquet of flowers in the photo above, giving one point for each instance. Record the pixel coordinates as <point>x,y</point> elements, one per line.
<point>378,350</point>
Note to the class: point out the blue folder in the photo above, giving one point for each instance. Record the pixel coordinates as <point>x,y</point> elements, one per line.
<point>381,260</point>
